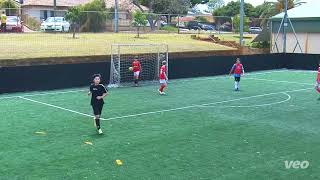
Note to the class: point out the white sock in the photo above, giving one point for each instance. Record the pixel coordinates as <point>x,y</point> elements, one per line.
<point>235,85</point>
<point>238,85</point>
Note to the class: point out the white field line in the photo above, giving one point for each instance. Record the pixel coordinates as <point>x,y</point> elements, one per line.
<point>270,80</point>
<point>43,94</point>
<point>227,76</point>
<point>258,105</point>
<point>58,107</point>
<point>160,111</point>
<point>201,105</point>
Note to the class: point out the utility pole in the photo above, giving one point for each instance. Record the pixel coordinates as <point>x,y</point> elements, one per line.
<point>241,21</point>
<point>116,16</point>
<point>285,25</point>
<point>54,7</point>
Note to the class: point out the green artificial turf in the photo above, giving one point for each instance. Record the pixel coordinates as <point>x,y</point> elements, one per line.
<point>196,131</point>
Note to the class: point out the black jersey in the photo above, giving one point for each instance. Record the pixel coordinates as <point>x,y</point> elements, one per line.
<point>97,90</point>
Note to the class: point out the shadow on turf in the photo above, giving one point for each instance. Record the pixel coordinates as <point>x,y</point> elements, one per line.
<point>96,135</point>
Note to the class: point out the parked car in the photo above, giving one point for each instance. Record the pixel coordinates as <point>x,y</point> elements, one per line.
<point>255,30</point>
<point>206,27</point>
<point>57,24</point>
<point>14,24</point>
<point>225,28</point>
<point>181,25</point>
<point>163,23</point>
<point>193,25</point>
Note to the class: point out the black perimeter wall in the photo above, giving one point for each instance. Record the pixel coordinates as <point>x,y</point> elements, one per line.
<point>47,77</point>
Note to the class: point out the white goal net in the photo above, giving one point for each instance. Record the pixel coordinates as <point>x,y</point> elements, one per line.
<point>150,56</point>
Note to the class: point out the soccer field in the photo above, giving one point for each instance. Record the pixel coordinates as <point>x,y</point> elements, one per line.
<point>201,129</point>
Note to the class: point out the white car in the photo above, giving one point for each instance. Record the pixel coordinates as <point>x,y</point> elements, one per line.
<point>56,24</point>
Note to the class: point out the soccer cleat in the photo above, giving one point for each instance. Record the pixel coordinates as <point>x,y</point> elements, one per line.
<point>100,131</point>
<point>163,93</point>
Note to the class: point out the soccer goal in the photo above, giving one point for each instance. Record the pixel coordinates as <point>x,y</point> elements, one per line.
<point>150,56</point>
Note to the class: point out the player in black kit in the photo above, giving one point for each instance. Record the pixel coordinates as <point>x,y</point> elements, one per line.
<point>98,92</point>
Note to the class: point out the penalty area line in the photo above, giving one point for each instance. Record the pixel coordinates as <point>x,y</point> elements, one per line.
<point>160,111</point>
<point>257,105</point>
<point>207,104</point>
<point>58,107</point>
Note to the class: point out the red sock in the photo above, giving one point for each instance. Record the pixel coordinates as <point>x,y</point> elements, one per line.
<point>161,88</point>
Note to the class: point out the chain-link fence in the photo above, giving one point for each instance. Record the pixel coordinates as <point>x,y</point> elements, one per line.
<point>34,32</point>
<point>35,20</point>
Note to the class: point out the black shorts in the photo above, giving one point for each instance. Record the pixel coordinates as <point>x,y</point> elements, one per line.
<point>97,109</point>
<point>237,79</point>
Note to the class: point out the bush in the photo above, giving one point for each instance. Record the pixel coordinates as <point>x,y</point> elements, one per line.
<point>261,45</point>
<point>92,17</point>
<point>169,29</point>
<point>201,19</point>
<point>32,23</point>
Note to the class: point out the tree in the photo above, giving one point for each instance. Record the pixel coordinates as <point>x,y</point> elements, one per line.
<point>236,23</point>
<point>93,16</point>
<point>281,4</point>
<point>162,7</point>
<point>233,8</point>
<point>140,20</point>
<point>269,9</point>
<point>74,16</point>
<point>9,5</point>
<point>195,2</point>
<point>215,4</point>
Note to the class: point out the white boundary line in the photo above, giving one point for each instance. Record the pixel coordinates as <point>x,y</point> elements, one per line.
<point>259,105</point>
<point>160,111</point>
<point>57,107</point>
<point>201,105</point>
<point>270,80</point>
<point>43,94</point>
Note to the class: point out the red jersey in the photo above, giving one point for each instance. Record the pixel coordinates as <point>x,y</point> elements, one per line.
<point>318,77</point>
<point>163,71</point>
<point>237,68</point>
<point>136,66</point>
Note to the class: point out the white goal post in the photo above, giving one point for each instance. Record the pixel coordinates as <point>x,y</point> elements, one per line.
<point>150,56</point>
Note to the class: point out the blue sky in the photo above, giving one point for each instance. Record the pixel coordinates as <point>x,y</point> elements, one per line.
<point>258,2</point>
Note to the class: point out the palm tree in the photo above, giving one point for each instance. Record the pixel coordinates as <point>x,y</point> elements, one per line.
<point>280,5</point>
<point>270,9</point>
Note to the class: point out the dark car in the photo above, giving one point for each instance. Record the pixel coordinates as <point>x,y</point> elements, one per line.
<point>193,25</point>
<point>206,27</point>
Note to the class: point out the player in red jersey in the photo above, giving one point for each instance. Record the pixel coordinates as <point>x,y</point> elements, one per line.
<point>318,80</point>
<point>163,78</point>
<point>238,71</point>
<point>136,68</point>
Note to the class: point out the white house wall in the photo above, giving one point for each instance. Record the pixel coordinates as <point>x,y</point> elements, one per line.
<point>308,41</point>
<point>34,11</point>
